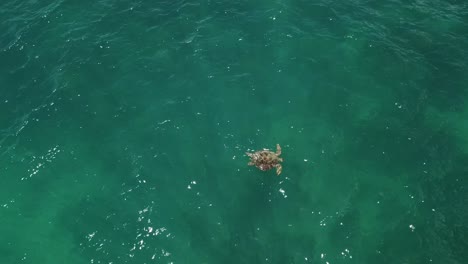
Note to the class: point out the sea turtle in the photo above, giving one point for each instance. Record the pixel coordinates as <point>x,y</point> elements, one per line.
<point>266,159</point>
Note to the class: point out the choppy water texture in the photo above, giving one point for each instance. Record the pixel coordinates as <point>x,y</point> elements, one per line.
<point>123,128</point>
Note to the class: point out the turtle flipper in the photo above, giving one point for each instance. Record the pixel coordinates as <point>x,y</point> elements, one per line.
<point>279,168</point>
<point>250,164</point>
<point>278,149</point>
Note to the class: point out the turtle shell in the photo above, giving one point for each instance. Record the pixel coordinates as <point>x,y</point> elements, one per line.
<point>267,157</point>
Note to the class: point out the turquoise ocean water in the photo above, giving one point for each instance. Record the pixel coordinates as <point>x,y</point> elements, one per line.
<point>124,127</point>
